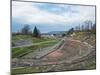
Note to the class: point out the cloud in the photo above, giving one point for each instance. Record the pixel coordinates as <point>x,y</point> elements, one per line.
<point>51,14</point>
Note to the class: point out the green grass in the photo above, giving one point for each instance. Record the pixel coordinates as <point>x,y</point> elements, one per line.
<point>20,37</point>
<point>37,43</point>
<point>21,51</point>
<point>37,40</point>
<point>16,38</point>
<point>92,66</point>
<point>44,42</point>
<point>27,70</point>
<point>30,70</point>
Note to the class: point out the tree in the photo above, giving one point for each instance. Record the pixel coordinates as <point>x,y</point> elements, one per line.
<point>63,35</point>
<point>77,28</point>
<point>36,32</point>
<point>88,25</point>
<point>93,29</point>
<point>25,29</point>
<point>70,31</point>
<point>82,28</point>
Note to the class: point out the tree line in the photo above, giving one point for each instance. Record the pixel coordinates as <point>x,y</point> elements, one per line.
<point>26,30</point>
<point>86,26</point>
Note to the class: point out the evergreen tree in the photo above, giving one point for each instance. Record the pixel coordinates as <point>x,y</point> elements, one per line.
<point>36,32</point>
<point>70,31</point>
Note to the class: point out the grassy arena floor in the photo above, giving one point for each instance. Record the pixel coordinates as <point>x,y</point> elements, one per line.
<point>37,43</point>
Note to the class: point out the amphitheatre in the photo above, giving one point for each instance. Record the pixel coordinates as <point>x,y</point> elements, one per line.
<point>67,54</point>
<point>52,37</point>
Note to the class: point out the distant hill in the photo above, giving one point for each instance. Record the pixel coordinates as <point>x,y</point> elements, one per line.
<point>57,32</point>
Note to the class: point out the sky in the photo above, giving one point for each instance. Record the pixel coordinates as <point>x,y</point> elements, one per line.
<point>49,17</point>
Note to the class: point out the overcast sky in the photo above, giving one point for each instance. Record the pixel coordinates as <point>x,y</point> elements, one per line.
<point>49,17</point>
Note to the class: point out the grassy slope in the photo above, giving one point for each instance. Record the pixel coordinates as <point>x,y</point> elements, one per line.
<point>25,70</point>
<point>19,52</point>
<point>20,37</point>
<point>37,43</point>
<point>89,38</point>
<point>85,36</point>
<point>16,38</point>
<point>78,36</point>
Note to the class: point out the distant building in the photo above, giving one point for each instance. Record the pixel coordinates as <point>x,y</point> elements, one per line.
<point>54,34</point>
<point>46,35</point>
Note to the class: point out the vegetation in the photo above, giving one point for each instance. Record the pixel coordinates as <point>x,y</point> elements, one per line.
<point>25,30</point>
<point>20,37</point>
<point>27,70</point>
<point>16,38</point>
<point>19,52</point>
<point>38,43</point>
<point>87,26</point>
<point>70,31</point>
<point>36,32</point>
<point>92,66</point>
<point>86,36</point>
<point>85,33</point>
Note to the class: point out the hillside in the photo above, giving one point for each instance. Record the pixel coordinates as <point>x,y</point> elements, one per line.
<point>71,55</point>
<point>87,37</point>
